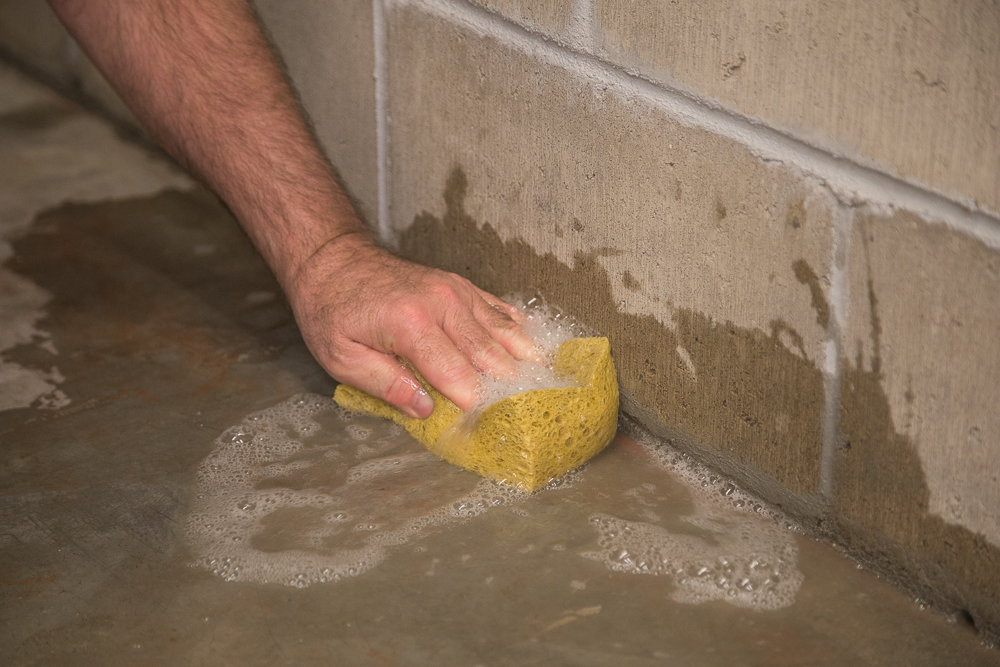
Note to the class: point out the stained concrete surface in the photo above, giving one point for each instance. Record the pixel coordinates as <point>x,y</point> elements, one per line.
<point>167,330</point>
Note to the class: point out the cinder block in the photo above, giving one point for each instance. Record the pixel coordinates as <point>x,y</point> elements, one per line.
<point>920,395</point>
<point>708,269</point>
<point>913,86</point>
<point>31,33</point>
<point>328,49</point>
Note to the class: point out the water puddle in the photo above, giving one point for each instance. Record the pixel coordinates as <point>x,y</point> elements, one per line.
<point>305,492</point>
<point>51,152</point>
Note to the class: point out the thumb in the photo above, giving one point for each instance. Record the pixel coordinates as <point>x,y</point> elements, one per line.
<point>383,376</point>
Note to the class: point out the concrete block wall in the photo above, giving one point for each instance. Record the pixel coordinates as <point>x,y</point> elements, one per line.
<point>784,216</point>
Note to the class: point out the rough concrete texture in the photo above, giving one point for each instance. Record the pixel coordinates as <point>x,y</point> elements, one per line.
<point>549,17</point>
<point>81,160</point>
<point>327,48</point>
<point>925,314</point>
<point>712,274</point>
<point>30,32</point>
<point>912,85</point>
<point>708,269</point>
<point>920,398</point>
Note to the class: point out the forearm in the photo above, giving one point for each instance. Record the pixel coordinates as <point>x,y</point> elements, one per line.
<point>200,77</point>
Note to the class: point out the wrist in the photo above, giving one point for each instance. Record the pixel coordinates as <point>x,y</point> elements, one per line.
<point>293,233</point>
<point>332,257</point>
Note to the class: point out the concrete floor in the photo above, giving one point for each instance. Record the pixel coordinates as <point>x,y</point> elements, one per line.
<point>139,333</point>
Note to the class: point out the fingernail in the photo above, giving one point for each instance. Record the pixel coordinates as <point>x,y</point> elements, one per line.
<point>422,404</point>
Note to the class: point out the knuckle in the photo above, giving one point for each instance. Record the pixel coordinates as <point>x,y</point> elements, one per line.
<point>410,314</point>
<point>498,319</point>
<point>445,291</point>
<point>494,356</point>
<point>457,374</point>
<point>444,294</point>
<point>400,390</point>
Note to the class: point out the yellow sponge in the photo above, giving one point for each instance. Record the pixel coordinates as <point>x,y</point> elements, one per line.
<point>527,439</point>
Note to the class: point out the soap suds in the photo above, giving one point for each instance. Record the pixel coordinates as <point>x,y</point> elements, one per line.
<point>556,412</point>
<point>737,550</point>
<point>548,329</point>
<point>307,492</point>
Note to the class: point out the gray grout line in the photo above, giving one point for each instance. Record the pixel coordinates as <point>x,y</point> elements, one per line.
<point>851,182</point>
<point>381,121</point>
<point>839,295</point>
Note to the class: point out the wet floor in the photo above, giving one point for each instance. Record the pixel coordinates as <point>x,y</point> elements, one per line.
<point>176,487</point>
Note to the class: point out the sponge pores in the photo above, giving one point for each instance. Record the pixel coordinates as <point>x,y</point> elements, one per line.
<point>528,439</point>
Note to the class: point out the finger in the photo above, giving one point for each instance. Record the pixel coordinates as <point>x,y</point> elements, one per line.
<point>441,363</point>
<point>382,375</point>
<point>477,344</point>
<point>513,312</point>
<point>506,331</point>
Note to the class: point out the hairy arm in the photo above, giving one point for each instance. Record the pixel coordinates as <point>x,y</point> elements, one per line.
<point>201,77</point>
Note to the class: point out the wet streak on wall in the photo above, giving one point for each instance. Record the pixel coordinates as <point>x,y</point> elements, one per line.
<point>750,397</point>
<point>922,343</point>
<point>882,511</point>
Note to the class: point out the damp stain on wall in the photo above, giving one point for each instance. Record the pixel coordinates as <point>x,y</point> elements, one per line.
<point>807,276</point>
<point>881,502</point>
<point>796,215</point>
<point>630,282</point>
<point>750,398</point>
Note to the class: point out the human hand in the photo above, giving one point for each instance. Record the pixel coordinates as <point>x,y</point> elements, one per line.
<point>360,307</point>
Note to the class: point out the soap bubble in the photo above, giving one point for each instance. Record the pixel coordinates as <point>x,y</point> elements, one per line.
<point>278,503</point>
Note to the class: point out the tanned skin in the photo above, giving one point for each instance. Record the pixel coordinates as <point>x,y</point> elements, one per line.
<point>200,76</point>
